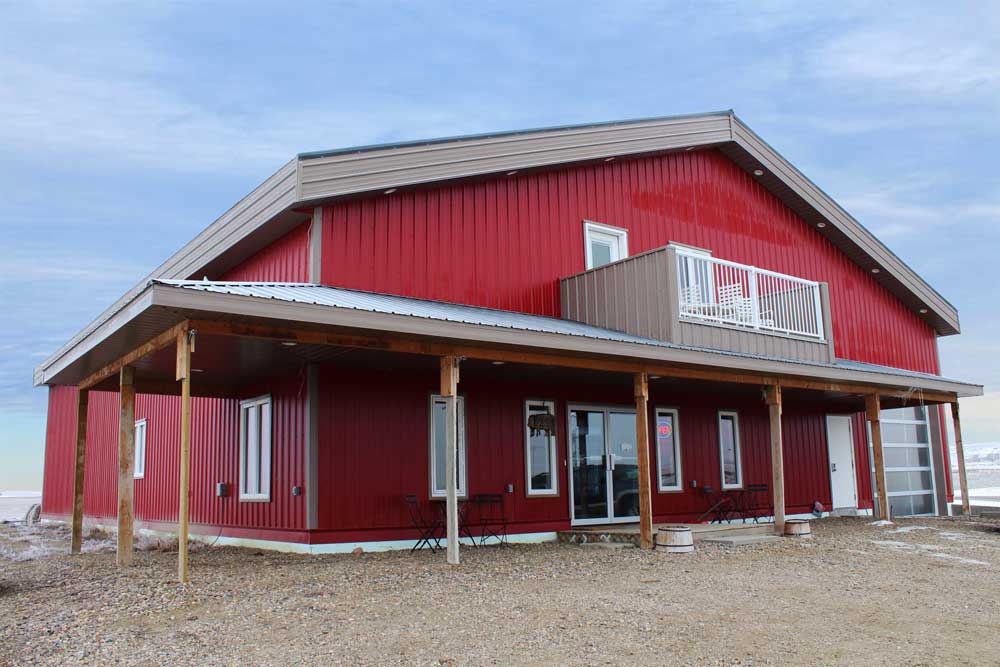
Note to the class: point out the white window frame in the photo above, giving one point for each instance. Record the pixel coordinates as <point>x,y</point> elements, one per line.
<point>723,414</point>
<point>615,236</point>
<point>462,490</point>
<point>553,489</point>
<point>263,494</point>
<point>675,417</point>
<point>139,458</point>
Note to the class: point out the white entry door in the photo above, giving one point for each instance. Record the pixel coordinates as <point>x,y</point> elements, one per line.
<point>840,442</point>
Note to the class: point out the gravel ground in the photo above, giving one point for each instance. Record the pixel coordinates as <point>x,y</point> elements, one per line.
<point>920,592</point>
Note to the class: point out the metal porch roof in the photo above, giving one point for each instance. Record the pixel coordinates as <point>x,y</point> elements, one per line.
<point>373,302</point>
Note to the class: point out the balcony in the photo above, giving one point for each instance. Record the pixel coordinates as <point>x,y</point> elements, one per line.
<point>714,291</point>
<point>683,296</point>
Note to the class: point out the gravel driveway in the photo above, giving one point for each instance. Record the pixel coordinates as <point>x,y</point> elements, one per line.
<point>921,592</point>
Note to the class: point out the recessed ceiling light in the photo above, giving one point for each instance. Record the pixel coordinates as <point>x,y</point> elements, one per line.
<point>758,172</point>
<point>876,270</point>
<point>821,225</point>
<point>389,191</point>
<point>654,377</point>
<point>923,310</point>
<point>511,173</point>
<point>289,343</point>
<point>608,159</point>
<point>690,148</point>
<point>498,363</point>
<point>197,370</point>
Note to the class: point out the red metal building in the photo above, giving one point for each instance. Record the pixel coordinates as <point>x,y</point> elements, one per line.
<point>569,270</point>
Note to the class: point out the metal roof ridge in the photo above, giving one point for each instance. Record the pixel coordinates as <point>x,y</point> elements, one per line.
<point>506,133</point>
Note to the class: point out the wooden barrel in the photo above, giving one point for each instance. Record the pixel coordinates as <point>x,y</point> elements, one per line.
<point>797,528</point>
<point>674,540</point>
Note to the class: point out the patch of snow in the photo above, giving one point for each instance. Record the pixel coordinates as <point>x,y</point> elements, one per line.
<point>955,536</point>
<point>905,546</point>
<point>910,529</point>
<point>960,559</point>
<point>882,522</point>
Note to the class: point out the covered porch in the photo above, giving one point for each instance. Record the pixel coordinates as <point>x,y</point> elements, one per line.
<point>226,340</point>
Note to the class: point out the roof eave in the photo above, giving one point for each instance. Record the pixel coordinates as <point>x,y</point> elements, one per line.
<point>181,302</point>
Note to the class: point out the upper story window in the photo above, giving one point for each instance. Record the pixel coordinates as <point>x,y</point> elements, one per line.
<point>140,449</point>
<point>255,449</point>
<point>604,244</point>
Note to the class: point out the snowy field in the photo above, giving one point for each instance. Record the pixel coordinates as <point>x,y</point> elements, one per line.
<point>14,504</point>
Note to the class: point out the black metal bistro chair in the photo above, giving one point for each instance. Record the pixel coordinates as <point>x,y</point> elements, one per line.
<point>492,519</point>
<point>720,506</point>
<point>747,503</point>
<point>430,528</point>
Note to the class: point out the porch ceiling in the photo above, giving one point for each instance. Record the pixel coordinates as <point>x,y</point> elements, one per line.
<point>386,323</point>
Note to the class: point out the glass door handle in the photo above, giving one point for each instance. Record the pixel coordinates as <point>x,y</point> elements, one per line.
<point>611,460</point>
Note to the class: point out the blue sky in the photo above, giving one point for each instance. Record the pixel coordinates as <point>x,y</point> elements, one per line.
<point>126,129</point>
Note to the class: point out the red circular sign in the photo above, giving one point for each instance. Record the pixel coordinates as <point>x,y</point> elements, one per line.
<point>665,430</point>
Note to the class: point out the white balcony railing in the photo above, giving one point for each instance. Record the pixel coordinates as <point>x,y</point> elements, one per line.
<point>715,291</point>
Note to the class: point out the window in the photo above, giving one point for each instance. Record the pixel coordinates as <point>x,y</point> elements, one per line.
<point>439,452</point>
<point>140,449</point>
<point>668,450</point>
<point>255,449</point>
<point>729,450</point>
<point>604,244</point>
<point>540,443</point>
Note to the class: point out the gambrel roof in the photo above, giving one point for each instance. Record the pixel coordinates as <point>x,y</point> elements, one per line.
<point>287,198</point>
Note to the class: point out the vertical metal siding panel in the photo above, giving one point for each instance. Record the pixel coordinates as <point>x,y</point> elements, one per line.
<point>700,198</point>
<point>60,446</point>
<point>284,260</point>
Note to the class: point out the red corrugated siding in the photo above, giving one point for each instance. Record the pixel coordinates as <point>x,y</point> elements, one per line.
<point>374,448</point>
<point>214,458</point>
<point>504,243</point>
<point>60,448</point>
<point>285,260</point>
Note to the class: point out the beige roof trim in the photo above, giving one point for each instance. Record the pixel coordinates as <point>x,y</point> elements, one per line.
<point>308,180</point>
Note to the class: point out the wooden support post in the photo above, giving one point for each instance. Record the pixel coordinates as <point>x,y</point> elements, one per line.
<point>126,464</point>
<point>773,398</point>
<point>963,481</point>
<point>873,414</point>
<point>449,391</point>
<point>82,399</point>
<point>641,386</point>
<point>184,348</point>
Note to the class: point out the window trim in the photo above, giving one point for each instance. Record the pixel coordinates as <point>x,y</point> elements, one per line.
<point>739,450</point>
<point>675,414</point>
<point>264,497</point>
<point>553,490</point>
<point>620,235</point>
<point>137,472</point>
<point>462,462</point>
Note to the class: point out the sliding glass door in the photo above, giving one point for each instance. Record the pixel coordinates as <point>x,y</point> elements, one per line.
<point>604,465</point>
